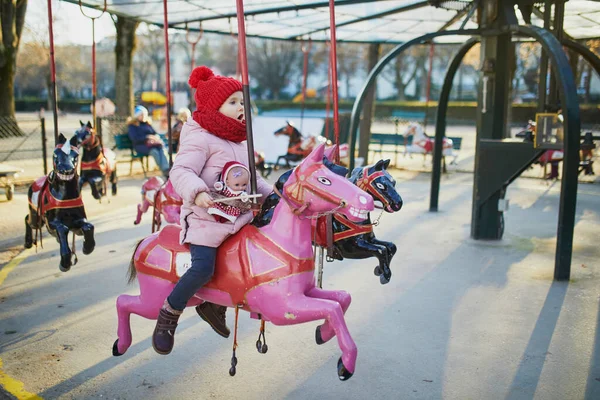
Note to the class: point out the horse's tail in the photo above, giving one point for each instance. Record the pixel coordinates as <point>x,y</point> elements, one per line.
<point>132,272</point>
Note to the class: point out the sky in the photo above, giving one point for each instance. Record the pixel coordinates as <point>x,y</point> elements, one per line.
<point>70,26</point>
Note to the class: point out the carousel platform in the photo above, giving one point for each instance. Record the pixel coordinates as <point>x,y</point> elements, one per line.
<point>459,319</point>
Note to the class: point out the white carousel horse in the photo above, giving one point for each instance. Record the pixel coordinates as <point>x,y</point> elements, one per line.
<point>423,144</point>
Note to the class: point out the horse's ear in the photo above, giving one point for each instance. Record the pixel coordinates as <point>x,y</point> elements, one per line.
<point>379,165</point>
<point>330,151</point>
<point>316,156</point>
<point>386,163</point>
<point>89,125</point>
<point>81,123</point>
<point>74,141</point>
<point>61,139</point>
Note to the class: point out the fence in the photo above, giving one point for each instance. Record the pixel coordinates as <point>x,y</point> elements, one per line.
<point>26,141</point>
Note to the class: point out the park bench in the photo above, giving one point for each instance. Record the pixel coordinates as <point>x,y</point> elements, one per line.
<point>397,140</point>
<point>122,142</point>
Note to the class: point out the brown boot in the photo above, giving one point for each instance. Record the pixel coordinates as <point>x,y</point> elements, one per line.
<point>163,337</point>
<point>215,316</point>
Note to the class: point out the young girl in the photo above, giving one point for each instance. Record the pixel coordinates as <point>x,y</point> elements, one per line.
<point>214,136</point>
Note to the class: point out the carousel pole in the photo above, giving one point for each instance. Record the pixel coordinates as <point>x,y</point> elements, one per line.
<point>193,56</point>
<point>243,62</point>
<point>305,51</point>
<point>336,113</point>
<point>94,85</point>
<point>168,82</point>
<point>428,92</point>
<point>53,94</point>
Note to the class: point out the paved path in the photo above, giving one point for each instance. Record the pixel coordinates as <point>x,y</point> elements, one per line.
<point>461,319</point>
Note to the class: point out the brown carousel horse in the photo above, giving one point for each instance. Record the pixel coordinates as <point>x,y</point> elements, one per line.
<point>98,164</point>
<point>298,146</point>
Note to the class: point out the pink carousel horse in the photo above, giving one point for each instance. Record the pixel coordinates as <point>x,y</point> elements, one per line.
<point>423,144</point>
<point>268,271</point>
<point>164,200</point>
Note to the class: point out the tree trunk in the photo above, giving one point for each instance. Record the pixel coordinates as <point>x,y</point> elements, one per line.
<point>368,107</point>
<point>12,18</point>
<point>124,49</point>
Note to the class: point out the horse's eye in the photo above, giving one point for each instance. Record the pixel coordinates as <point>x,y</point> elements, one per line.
<point>324,181</point>
<point>380,185</point>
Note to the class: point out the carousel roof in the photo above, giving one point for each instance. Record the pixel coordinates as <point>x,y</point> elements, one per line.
<point>383,21</point>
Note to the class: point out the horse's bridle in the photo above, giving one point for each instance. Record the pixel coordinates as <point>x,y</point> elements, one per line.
<point>366,183</point>
<point>294,193</point>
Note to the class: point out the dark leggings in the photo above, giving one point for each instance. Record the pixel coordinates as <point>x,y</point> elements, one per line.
<point>201,271</point>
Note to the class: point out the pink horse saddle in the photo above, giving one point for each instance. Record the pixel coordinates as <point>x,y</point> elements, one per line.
<point>244,261</point>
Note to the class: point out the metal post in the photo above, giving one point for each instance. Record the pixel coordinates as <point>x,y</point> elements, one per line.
<point>440,124</point>
<point>168,82</point>
<point>44,143</point>
<point>558,21</point>
<point>53,94</point>
<point>336,111</point>
<point>243,62</point>
<point>305,51</point>
<point>542,84</point>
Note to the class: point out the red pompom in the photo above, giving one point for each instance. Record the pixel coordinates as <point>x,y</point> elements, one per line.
<point>201,73</point>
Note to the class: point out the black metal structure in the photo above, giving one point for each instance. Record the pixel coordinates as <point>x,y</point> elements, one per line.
<point>395,52</point>
<point>440,126</point>
<point>494,170</point>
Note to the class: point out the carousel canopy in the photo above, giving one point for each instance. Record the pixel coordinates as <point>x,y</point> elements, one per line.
<point>383,21</point>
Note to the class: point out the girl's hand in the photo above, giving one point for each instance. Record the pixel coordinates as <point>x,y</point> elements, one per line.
<point>203,199</point>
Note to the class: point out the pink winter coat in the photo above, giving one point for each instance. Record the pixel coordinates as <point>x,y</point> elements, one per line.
<point>199,162</point>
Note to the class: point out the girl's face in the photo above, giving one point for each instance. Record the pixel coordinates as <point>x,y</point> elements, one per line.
<point>233,107</point>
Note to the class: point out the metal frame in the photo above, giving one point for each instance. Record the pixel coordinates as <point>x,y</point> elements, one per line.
<point>440,126</point>
<point>358,103</point>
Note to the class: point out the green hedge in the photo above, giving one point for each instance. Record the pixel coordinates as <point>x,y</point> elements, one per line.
<point>63,105</point>
<point>458,111</point>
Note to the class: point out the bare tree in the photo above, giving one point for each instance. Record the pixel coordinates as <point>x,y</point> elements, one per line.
<point>272,64</point>
<point>12,19</point>
<point>350,58</point>
<point>153,51</point>
<point>124,49</point>
<point>142,67</point>
<point>403,71</point>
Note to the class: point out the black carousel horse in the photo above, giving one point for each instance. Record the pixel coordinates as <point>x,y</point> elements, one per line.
<point>98,165</point>
<point>55,200</point>
<point>298,146</point>
<point>352,240</point>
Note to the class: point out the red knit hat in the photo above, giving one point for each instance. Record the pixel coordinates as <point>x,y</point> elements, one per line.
<point>211,92</point>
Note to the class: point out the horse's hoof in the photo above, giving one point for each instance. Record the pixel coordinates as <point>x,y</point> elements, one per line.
<point>383,279</point>
<point>232,371</point>
<point>318,337</point>
<point>88,247</point>
<point>28,245</point>
<point>114,189</point>
<point>343,373</point>
<point>65,263</point>
<point>116,349</point>
<point>377,271</point>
